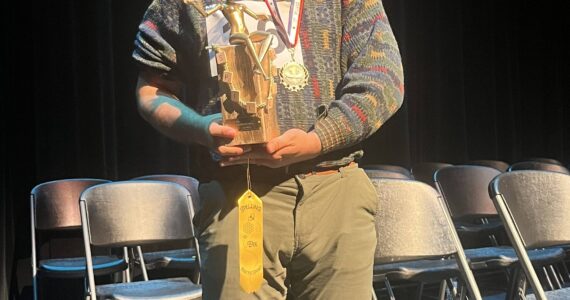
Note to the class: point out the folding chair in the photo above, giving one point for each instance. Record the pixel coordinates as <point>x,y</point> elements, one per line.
<point>534,205</point>
<point>415,237</point>
<point>174,255</point>
<point>497,164</point>
<point>132,213</point>
<point>424,171</point>
<point>465,191</point>
<point>536,165</point>
<point>54,207</point>
<point>391,168</point>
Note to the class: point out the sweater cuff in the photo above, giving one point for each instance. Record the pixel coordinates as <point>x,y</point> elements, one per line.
<point>332,131</point>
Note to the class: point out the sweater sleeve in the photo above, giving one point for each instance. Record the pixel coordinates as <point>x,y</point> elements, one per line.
<point>168,38</point>
<point>372,88</point>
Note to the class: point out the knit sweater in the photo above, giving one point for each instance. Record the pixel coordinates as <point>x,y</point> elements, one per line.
<point>356,78</point>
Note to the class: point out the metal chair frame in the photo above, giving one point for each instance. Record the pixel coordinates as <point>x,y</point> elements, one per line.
<point>127,237</point>
<point>518,231</point>
<point>427,193</point>
<point>59,217</point>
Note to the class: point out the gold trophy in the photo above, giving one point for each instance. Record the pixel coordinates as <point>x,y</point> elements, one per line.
<point>247,86</point>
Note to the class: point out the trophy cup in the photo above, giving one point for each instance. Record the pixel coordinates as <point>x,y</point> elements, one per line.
<point>246,76</point>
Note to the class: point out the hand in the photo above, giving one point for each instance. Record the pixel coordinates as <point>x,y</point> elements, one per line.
<point>223,135</point>
<point>293,146</point>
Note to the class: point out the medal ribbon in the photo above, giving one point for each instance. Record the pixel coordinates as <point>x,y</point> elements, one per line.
<point>290,35</point>
<point>250,236</point>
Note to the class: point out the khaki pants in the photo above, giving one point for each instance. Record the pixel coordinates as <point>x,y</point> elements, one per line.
<point>319,236</point>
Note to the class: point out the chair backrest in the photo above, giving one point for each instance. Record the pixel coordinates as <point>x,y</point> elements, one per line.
<point>55,204</point>
<point>190,183</point>
<point>465,191</point>
<point>413,223</point>
<point>534,206</point>
<point>536,165</point>
<point>497,164</point>
<point>544,160</point>
<point>132,213</point>
<point>385,174</point>
<point>424,171</point>
<point>410,222</point>
<point>392,168</point>
<point>539,203</point>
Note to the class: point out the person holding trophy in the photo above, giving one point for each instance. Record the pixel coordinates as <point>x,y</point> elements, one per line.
<point>276,130</point>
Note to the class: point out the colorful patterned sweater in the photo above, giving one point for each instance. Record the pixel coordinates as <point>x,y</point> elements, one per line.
<point>356,78</point>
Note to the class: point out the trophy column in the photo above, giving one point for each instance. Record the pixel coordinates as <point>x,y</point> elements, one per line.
<point>248,99</point>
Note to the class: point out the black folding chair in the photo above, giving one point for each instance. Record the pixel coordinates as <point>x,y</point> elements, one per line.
<point>465,191</point>
<point>536,165</point>
<point>424,171</point>
<point>133,213</point>
<point>54,207</point>
<point>534,205</point>
<point>496,164</point>
<point>177,254</point>
<point>416,237</point>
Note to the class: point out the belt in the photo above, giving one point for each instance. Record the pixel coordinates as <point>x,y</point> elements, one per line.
<point>302,170</point>
<point>208,170</point>
<point>326,171</point>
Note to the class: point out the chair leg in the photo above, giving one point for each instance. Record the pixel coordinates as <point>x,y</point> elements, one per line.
<point>35,286</point>
<point>33,256</point>
<point>374,293</point>
<point>141,260</point>
<point>561,276</point>
<point>86,291</point>
<point>127,272</point>
<point>555,276</point>
<point>389,289</point>
<point>566,272</point>
<point>517,287</point>
<point>463,294</point>
<point>452,288</point>
<point>461,290</point>
<point>420,291</point>
<point>523,287</point>
<point>442,290</point>
<point>547,278</point>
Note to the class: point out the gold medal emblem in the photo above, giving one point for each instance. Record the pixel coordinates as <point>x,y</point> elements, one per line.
<point>294,76</point>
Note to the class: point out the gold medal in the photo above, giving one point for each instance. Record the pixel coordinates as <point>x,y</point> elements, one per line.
<point>293,75</point>
<point>250,212</point>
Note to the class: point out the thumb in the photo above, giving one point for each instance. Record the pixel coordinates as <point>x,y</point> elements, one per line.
<point>275,144</point>
<point>221,131</point>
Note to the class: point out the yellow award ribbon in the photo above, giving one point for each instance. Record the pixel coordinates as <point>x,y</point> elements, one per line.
<point>250,233</point>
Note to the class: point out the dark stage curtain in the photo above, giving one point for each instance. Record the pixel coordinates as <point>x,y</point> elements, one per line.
<point>484,80</point>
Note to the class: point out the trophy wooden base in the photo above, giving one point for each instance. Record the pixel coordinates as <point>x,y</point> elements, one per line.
<point>248,98</point>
